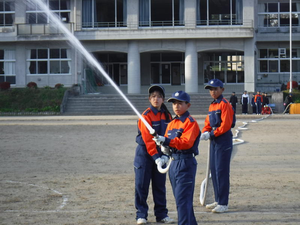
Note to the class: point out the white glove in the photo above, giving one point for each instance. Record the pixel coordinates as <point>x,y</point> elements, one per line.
<point>205,136</point>
<point>159,139</point>
<point>160,161</point>
<point>165,150</point>
<point>164,159</point>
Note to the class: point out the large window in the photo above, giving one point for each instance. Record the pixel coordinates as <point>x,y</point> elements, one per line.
<point>34,15</point>
<point>278,14</point>
<point>227,67</point>
<point>216,12</point>
<point>167,68</point>
<point>7,13</point>
<point>104,13</point>
<point>278,60</point>
<point>161,13</point>
<point>48,61</point>
<point>115,65</point>
<point>7,66</point>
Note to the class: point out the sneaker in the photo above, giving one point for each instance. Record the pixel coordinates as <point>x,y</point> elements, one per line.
<point>141,221</point>
<point>212,205</point>
<point>220,209</point>
<point>166,220</point>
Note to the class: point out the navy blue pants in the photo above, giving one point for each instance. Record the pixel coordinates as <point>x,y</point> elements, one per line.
<point>245,105</point>
<point>258,107</point>
<point>220,154</point>
<point>146,171</point>
<point>182,175</point>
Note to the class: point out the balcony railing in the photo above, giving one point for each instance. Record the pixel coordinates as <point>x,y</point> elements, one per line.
<point>90,25</point>
<point>42,29</point>
<point>164,24</point>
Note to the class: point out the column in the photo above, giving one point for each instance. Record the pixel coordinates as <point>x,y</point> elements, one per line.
<point>190,13</point>
<point>249,65</point>
<point>191,67</point>
<point>134,68</point>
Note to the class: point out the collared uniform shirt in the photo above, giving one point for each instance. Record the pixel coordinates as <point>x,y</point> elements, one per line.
<point>258,98</point>
<point>183,134</point>
<point>245,96</point>
<point>220,118</point>
<point>157,120</point>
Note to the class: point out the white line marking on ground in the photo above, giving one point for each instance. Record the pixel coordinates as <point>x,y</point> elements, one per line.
<point>60,207</point>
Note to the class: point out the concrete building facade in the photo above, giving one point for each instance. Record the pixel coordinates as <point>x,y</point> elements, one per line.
<point>180,44</point>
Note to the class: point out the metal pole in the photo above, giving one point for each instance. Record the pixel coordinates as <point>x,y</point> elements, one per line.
<point>291,69</point>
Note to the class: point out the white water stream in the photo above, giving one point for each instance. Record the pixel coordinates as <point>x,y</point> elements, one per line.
<point>53,18</point>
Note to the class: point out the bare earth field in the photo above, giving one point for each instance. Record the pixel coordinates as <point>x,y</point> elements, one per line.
<point>79,170</point>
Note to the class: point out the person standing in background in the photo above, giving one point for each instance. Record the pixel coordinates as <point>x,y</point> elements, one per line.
<point>288,99</point>
<point>258,102</point>
<point>265,99</point>
<point>245,101</point>
<point>253,104</point>
<point>233,101</point>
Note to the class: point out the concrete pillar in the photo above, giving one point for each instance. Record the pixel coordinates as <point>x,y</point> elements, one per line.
<point>190,13</point>
<point>191,67</point>
<point>133,14</point>
<point>249,13</point>
<point>134,70</point>
<point>249,65</point>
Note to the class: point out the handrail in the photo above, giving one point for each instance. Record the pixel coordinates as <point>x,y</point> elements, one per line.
<point>64,101</point>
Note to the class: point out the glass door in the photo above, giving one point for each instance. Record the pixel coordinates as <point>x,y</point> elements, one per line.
<point>166,73</point>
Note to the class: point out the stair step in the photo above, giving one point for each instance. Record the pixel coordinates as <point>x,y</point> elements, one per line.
<point>116,105</point>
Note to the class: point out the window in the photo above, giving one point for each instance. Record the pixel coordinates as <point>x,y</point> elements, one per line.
<point>278,60</point>
<point>104,13</point>
<point>115,65</point>
<point>7,13</point>
<point>48,61</point>
<point>277,14</point>
<point>34,15</point>
<point>7,66</point>
<point>226,66</point>
<point>161,13</point>
<point>213,12</point>
<point>167,68</point>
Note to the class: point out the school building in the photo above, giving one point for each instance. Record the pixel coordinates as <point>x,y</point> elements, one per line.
<point>180,44</point>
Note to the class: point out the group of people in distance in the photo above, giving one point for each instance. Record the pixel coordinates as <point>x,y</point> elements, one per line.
<point>258,101</point>
<point>177,139</point>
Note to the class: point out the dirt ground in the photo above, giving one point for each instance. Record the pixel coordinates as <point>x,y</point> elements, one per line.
<point>79,170</point>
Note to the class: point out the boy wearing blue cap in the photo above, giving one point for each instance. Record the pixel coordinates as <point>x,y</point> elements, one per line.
<point>217,128</point>
<point>181,142</point>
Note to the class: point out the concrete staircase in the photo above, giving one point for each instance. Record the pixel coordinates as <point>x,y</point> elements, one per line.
<point>114,104</point>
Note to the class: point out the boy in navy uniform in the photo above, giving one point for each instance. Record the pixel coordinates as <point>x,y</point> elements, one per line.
<point>217,128</point>
<point>181,141</point>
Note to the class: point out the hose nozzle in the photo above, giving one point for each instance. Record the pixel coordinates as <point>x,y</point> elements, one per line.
<point>153,133</point>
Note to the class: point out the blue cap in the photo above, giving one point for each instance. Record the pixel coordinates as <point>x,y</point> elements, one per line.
<point>180,96</point>
<point>157,88</point>
<point>214,83</point>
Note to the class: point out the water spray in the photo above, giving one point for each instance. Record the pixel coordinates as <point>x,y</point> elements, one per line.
<point>77,44</point>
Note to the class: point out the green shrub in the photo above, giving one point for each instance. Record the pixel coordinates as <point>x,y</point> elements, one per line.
<point>31,100</point>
